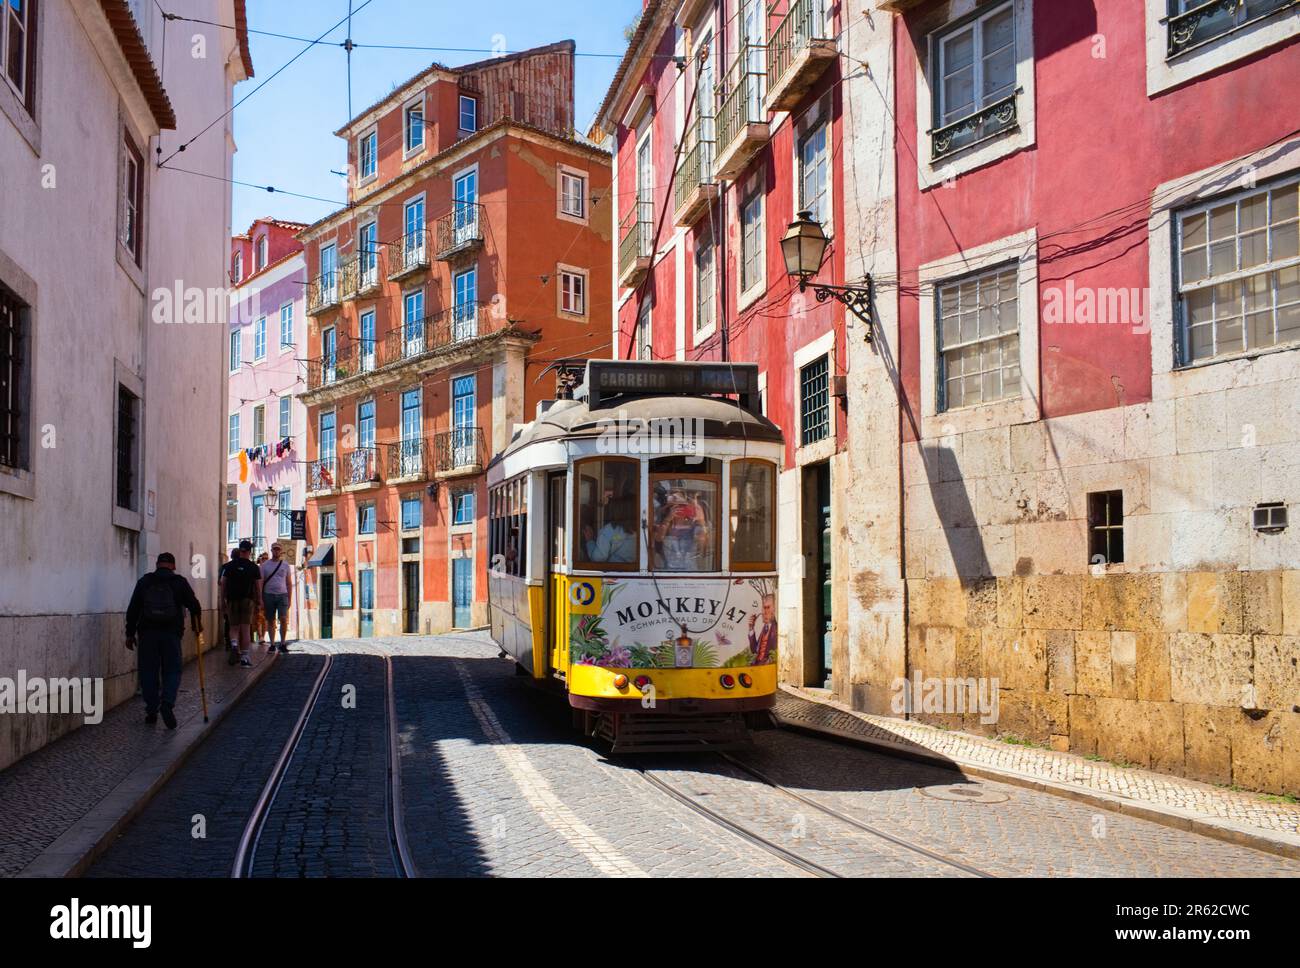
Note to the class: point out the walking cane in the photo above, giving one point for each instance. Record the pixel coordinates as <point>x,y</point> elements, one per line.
<point>203,688</point>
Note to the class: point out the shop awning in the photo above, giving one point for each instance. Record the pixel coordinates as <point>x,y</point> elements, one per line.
<point>322,556</point>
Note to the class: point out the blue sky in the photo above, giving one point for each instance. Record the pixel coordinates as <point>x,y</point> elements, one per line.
<point>285,132</point>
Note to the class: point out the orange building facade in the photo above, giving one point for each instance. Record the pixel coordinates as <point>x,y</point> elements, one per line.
<point>464,267</point>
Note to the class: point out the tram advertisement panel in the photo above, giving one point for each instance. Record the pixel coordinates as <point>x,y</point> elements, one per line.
<point>637,623</point>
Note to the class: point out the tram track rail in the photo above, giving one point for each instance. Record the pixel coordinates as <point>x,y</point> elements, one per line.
<point>246,854</point>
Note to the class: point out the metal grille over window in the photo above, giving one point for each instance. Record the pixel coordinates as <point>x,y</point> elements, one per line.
<point>1106,527</point>
<point>815,401</point>
<point>126,433</point>
<point>1239,273</point>
<point>979,340</point>
<point>11,363</point>
<point>1192,23</point>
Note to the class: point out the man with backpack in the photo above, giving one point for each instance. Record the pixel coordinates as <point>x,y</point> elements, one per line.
<point>156,616</point>
<point>227,630</point>
<point>241,590</point>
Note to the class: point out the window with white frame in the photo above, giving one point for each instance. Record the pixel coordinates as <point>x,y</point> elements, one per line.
<point>974,79</point>
<point>283,505</point>
<point>1192,23</point>
<point>18,48</point>
<point>978,342</point>
<point>259,425</point>
<point>131,212</point>
<point>468,113</point>
<point>411,511</point>
<point>237,267</point>
<point>236,338</point>
<point>573,194</point>
<point>462,506</point>
<point>705,284</point>
<point>414,126</point>
<point>286,417</point>
<point>329,527</point>
<point>751,242</point>
<point>814,173</point>
<point>232,532</point>
<point>286,326</point>
<point>573,292</point>
<point>259,338</point>
<point>644,336</point>
<point>368,155</point>
<point>366,518</point>
<point>262,250</point>
<point>1239,273</point>
<point>232,435</point>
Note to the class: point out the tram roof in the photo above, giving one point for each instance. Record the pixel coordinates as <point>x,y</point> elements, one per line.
<point>719,419</point>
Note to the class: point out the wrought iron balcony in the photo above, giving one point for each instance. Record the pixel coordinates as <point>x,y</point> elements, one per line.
<point>360,468</point>
<point>635,242</point>
<point>408,460</point>
<point>435,332</point>
<point>459,451</point>
<point>322,475</point>
<point>459,232</point>
<point>323,293</point>
<point>1217,18</point>
<point>988,122</point>
<point>408,255</point>
<point>742,119</point>
<point>800,50</point>
<point>345,361</point>
<point>694,187</point>
<point>359,275</point>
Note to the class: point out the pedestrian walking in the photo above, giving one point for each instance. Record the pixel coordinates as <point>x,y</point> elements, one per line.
<point>277,595</point>
<point>241,588</point>
<point>227,630</point>
<point>155,619</point>
<point>259,612</point>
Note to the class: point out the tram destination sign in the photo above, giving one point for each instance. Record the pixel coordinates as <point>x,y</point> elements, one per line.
<point>613,378</point>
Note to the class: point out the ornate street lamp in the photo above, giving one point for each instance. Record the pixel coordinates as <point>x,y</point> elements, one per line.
<point>271,498</point>
<point>802,247</point>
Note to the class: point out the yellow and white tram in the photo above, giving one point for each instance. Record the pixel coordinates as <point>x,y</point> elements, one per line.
<point>633,552</point>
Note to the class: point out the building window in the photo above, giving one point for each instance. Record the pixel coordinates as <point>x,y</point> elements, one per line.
<point>286,417</point>
<point>261,259</point>
<point>368,151</point>
<point>468,113</point>
<point>237,267</point>
<point>814,173</point>
<point>411,511</point>
<point>366,337</point>
<point>132,199</point>
<point>236,338</point>
<point>18,47</point>
<point>1238,276</point>
<point>974,80</point>
<point>366,518</point>
<point>286,326</point>
<point>414,124</point>
<point>14,370</point>
<point>328,525</point>
<point>1106,527</point>
<point>259,339</point>
<point>705,285</point>
<point>573,195</point>
<point>283,505</point>
<point>644,337</point>
<point>259,425</point>
<point>751,242</point>
<point>979,339</point>
<point>232,532</point>
<point>462,506</point>
<point>127,419</point>
<point>573,292</point>
<point>232,435</point>
<point>815,401</point>
<point>1192,23</point>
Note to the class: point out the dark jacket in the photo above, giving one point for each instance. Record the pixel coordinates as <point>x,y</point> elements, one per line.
<point>181,589</point>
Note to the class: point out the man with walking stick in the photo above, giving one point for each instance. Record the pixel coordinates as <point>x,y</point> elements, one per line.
<point>157,616</point>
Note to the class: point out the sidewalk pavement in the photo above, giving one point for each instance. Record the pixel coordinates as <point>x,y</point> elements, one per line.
<point>62,804</point>
<point>1235,816</point>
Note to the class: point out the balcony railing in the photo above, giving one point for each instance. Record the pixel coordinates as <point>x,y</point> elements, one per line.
<point>359,467</point>
<point>348,359</point>
<point>694,186</point>
<point>435,332</point>
<point>408,460</point>
<point>986,123</point>
<point>458,232</point>
<point>323,292</point>
<point>800,50</point>
<point>742,119</point>
<point>408,255</point>
<point>1210,21</point>
<point>459,450</point>
<point>635,242</point>
<point>322,475</point>
<point>359,275</point>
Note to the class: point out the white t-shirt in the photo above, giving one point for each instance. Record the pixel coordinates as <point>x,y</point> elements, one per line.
<point>279,585</point>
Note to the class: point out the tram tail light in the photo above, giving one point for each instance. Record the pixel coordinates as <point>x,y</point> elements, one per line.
<point>620,681</point>
<point>728,681</point>
<point>641,681</point>
<point>746,679</point>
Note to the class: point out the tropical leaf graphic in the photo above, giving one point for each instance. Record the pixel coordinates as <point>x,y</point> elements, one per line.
<point>704,656</point>
<point>741,658</point>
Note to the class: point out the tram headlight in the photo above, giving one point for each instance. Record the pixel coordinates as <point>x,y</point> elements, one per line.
<point>620,681</point>
<point>746,679</point>
<point>728,681</point>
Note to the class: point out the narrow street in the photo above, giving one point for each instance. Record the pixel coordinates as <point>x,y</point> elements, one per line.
<point>495,782</point>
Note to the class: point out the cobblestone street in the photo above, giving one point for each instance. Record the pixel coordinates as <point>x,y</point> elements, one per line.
<point>496,782</point>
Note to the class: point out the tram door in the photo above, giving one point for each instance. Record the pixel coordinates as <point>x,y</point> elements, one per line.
<point>555,611</point>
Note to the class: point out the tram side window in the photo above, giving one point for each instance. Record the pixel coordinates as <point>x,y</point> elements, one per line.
<point>607,495</point>
<point>684,514</point>
<point>753,498</point>
<point>508,527</point>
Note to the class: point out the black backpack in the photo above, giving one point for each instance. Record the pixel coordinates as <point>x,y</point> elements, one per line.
<point>158,608</point>
<point>240,576</point>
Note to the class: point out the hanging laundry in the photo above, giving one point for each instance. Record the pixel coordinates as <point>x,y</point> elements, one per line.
<point>243,467</point>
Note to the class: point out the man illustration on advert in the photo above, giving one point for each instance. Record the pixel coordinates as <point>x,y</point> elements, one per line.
<point>763,645</point>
